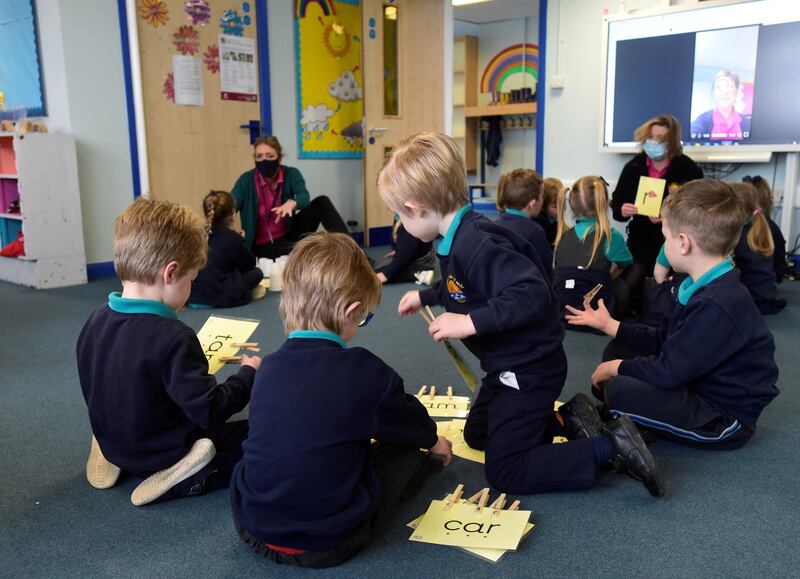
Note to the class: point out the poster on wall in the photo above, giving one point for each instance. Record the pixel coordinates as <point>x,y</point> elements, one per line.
<point>238,80</point>
<point>330,106</point>
<point>187,80</point>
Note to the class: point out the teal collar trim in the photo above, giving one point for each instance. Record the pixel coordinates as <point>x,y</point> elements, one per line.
<point>583,225</point>
<point>123,305</point>
<point>518,213</point>
<point>446,244</point>
<point>688,287</point>
<point>319,335</point>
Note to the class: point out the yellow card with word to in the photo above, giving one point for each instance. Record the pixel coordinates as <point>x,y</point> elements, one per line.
<point>649,196</point>
<point>445,406</point>
<point>218,336</point>
<point>463,525</point>
<point>455,434</point>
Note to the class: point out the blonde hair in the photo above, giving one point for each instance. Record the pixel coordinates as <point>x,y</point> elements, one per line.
<point>552,187</point>
<point>149,234</point>
<point>426,169</point>
<point>759,238</point>
<point>672,140</point>
<point>765,199</point>
<point>218,207</point>
<point>710,211</point>
<point>518,188</point>
<point>588,198</point>
<point>325,273</point>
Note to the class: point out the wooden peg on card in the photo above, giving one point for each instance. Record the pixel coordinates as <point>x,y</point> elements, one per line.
<point>449,392</point>
<point>514,506</point>
<point>231,359</point>
<point>422,390</point>
<point>483,500</point>
<point>498,504</point>
<point>454,497</point>
<point>433,392</point>
<point>476,497</point>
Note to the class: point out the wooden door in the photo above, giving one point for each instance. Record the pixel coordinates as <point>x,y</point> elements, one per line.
<point>192,149</point>
<point>403,60</point>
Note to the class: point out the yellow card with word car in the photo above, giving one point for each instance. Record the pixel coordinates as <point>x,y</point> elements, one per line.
<point>218,336</point>
<point>649,196</point>
<point>464,525</point>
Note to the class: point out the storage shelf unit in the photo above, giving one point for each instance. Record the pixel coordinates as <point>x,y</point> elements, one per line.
<point>41,171</point>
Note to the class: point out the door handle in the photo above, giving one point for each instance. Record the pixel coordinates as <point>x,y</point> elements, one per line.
<point>255,129</point>
<point>373,130</point>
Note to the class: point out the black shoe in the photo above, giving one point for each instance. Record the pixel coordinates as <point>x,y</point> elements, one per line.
<point>648,434</point>
<point>581,418</point>
<point>597,393</point>
<point>631,455</point>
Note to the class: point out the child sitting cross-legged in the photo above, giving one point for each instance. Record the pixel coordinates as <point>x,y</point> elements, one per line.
<point>704,377</point>
<point>155,411</point>
<point>311,486</point>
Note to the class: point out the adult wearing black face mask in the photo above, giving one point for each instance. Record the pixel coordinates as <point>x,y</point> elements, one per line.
<point>275,206</point>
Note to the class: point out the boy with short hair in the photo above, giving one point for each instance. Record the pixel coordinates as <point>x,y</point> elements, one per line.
<point>710,370</point>
<point>154,409</point>
<point>310,486</point>
<point>519,200</point>
<point>503,307</point>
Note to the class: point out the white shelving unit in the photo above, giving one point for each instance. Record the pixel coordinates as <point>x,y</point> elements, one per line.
<point>47,183</point>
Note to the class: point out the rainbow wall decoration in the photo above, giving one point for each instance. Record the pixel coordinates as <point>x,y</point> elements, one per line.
<point>516,58</point>
<point>300,7</point>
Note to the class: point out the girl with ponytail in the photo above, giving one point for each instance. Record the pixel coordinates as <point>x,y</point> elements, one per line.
<point>753,253</point>
<point>230,277</point>
<point>591,252</point>
<point>765,202</point>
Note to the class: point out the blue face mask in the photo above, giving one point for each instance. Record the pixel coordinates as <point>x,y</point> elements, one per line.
<point>655,150</point>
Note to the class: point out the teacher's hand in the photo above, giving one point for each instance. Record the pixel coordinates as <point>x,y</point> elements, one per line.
<point>629,210</point>
<point>285,210</point>
<point>655,220</point>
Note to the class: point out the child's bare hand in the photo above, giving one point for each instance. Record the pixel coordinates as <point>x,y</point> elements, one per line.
<point>409,304</point>
<point>252,361</point>
<point>450,325</point>
<point>598,318</point>
<point>605,372</point>
<point>444,449</point>
<point>382,277</point>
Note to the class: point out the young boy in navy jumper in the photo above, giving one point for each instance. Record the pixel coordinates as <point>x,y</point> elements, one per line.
<point>154,409</point>
<point>710,371</point>
<point>519,200</point>
<point>499,301</point>
<point>311,486</point>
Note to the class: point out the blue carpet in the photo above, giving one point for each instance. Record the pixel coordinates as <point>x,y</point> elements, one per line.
<point>725,514</point>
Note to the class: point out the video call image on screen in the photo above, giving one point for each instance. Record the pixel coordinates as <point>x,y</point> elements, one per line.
<point>737,85</point>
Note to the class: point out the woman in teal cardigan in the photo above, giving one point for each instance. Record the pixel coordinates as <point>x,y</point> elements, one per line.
<point>274,204</point>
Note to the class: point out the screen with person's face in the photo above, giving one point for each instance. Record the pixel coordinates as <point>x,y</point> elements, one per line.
<point>726,73</point>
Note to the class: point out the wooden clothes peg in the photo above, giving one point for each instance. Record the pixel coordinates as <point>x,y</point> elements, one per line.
<point>454,497</point>
<point>432,392</point>
<point>422,391</point>
<point>593,292</point>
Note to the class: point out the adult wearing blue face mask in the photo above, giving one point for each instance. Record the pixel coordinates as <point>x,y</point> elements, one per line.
<point>274,204</point>
<point>662,158</point>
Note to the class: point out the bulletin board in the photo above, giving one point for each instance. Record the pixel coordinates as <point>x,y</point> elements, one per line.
<point>330,106</point>
<point>20,74</point>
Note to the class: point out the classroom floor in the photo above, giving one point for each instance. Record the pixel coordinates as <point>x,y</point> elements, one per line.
<point>731,514</point>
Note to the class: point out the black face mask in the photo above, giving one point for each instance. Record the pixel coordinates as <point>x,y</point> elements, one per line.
<point>267,167</point>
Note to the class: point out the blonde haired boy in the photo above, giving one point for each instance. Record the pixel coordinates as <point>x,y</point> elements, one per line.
<point>704,377</point>
<point>310,486</point>
<point>155,411</point>
<point>499,301</point>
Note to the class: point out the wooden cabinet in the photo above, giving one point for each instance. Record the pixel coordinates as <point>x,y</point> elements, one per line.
<point>465,94</point>
<point>40,170</point>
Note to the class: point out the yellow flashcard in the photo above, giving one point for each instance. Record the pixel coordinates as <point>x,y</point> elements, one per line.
<point>463,525</point>
<point>454,432</point>
<point>445,406</point>
<point>218,336</point>
<point>649,196</point>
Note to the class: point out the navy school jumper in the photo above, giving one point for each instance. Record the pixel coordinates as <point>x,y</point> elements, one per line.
<point>758,275</point>
<point>220,283</point>
<point>715,344</point>
<point>523,225</point>
<point>495,276</point>
<point>305,481</point>
<point>147,388</point>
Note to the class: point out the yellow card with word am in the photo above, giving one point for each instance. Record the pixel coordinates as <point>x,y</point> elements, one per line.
<point>462,525</point>
<point>445,406</point>
<point>218,336</point>
<point>649,196</point>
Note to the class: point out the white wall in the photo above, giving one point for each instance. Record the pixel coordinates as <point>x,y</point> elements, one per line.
<point>85,93</point>
<point>340,179</point>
